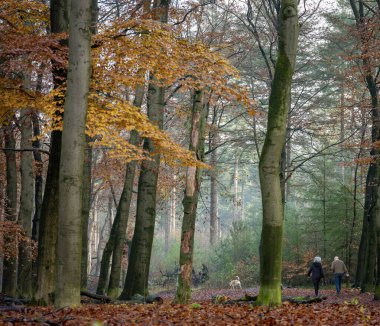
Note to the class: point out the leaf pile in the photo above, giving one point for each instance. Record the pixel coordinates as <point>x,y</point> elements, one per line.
<point>350,308</point>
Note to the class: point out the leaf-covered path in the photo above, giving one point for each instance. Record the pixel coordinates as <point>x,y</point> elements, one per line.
<point>350,308</point>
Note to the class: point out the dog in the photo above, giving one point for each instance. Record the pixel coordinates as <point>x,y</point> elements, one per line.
<point>235,283</point>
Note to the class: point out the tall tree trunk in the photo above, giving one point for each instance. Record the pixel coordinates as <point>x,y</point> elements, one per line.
<point>10,263</point>
<point>141,249</point>
<point>47,237</point>
<point>38,184</point>
<point>190,200</point>
<point>69,241</point>
<point>24,281</point>
<point>269,166</point>
<point>87,186</point>
<point>38,166</point>
<point>374,222</point>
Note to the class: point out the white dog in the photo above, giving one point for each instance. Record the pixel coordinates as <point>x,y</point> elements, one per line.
<point>235,283</point>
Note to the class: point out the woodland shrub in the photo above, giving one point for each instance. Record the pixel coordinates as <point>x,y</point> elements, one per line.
<point>237,255</point>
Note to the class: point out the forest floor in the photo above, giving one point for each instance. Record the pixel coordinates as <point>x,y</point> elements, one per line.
<point>349,308</point>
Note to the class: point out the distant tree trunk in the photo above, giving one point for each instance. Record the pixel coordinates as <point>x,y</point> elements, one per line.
<point>48,225</point>
<point>69,242</point>
<point>214,216</point>
<point>190,200</point>
<point>269,166</point>
<point>24,281</point>
<point>141,249</point>
<point>236,216</point>
<point>10,263</point>
<point>86,207</point>
<point>167,222</point>
<point>173,209</point>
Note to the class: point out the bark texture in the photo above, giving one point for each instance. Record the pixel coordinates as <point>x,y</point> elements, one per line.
<point>269,166</point>
<point>69,241</point>
<point>190,200</point>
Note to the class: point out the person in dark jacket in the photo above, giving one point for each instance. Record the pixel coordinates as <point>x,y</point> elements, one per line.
<point>316,272</point>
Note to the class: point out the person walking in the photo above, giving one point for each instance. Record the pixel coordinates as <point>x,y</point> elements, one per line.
<point>316,272</point>
<point>339,269</point>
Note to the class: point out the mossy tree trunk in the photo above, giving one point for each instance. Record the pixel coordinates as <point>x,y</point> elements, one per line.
<point>69,241</point>
<point>269,166</point>
<point>190,200</point>
<point>24,275</point>
<point>10,263</point>
<point>48,224</point>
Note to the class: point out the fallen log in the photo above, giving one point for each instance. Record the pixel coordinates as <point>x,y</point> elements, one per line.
<point>223,299</point>
<point>100,297</point>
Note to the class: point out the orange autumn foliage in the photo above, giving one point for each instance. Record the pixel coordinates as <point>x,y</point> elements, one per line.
<point>122,52</point>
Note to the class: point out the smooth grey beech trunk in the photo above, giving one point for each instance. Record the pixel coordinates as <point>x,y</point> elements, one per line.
<point>10,263</point>
<point>24,275</point>
<point>190,200</point>
<point>48,224</point>
<point>87,175</point>
<point>269,166</point>
<point>69,241</point>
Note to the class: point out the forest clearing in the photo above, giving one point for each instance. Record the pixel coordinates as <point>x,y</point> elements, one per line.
<point>201,162</point>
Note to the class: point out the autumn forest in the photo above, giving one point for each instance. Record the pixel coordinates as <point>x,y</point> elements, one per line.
<point>193,162</point>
